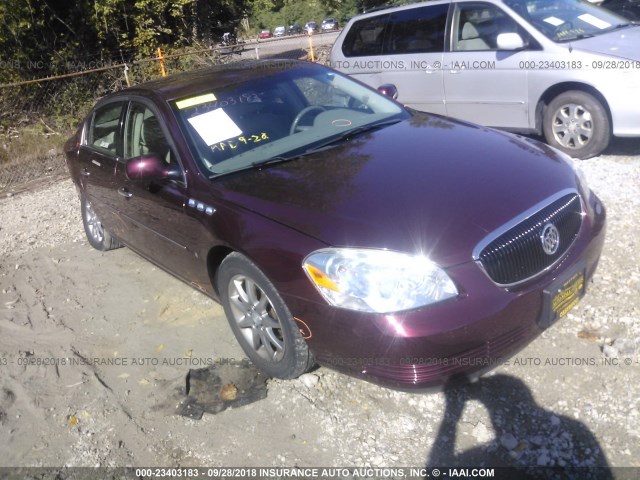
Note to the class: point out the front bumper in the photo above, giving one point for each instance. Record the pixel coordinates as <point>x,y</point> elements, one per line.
<point>455,340</point>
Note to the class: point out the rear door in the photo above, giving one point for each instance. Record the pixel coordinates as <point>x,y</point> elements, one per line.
<point>416,39</point>
<point>98,158</point>
<point>404,48</point>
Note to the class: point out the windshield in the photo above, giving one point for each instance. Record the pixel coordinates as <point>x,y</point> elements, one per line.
<point>566,20</point>
<point>279,115</point>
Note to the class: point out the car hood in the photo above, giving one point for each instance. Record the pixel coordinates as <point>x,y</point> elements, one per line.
<point>619,43</point>
<point>425,185</point>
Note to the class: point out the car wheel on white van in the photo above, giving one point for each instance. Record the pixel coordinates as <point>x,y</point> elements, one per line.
<point>577,123</point>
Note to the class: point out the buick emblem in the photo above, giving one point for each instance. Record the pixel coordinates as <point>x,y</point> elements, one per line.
<point>550,238</point>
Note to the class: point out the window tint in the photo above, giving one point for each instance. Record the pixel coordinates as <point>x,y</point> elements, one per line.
<point>144,136</point>
<point>477,26</point>
<point>105,126</point>
<point>365,37</point>
<point>418,30</point>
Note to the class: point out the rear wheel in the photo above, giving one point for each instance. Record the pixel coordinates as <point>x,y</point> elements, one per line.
<point>260,320</point>
<point>98,237</point>
<point>577,123</point>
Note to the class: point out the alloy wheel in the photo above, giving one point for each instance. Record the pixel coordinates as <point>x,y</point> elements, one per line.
<point>256,318</point>
<point>94,225</point>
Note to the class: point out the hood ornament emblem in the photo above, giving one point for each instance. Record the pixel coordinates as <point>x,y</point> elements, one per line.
<point>550,238</point>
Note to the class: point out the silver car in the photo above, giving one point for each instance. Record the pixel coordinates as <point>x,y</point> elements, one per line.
<point>563,68</point>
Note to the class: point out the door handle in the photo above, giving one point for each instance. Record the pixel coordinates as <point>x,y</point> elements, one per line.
<point>124,192</point>
<point>84,172</point>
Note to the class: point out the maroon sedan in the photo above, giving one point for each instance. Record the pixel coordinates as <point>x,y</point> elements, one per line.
<point>336,226</point>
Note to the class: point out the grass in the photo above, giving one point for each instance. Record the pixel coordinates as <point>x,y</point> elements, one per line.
<point>30,143</point>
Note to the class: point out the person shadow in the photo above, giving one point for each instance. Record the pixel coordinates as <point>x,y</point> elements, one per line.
<point>529,442</point>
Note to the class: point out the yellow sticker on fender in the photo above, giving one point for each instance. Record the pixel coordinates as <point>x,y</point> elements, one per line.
<point>193,101</point>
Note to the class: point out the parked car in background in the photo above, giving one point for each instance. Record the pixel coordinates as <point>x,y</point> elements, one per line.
<point>311,27</point>
<point>336,226</point>
<point>279,31</point>
<point>629,9</point>
<point>294,29</point>
<point>563,68</point>
<point>265,34</point>
<point>329,24</point>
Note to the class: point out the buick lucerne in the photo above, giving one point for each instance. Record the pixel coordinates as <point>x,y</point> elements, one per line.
<point>336,226</point>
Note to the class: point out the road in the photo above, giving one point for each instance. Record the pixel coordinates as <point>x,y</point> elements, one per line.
<point>286,47</point>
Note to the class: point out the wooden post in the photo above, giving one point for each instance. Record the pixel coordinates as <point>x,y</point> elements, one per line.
<point>310,33</point>
<point>126,74</point>
<point>161,60</point>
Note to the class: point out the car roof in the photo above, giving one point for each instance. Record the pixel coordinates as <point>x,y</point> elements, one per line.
<point>182,85</point>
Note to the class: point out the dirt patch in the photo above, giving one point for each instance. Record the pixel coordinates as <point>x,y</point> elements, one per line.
<point>95,349</point>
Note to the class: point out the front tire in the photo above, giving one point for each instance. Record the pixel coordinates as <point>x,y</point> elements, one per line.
<point>98,237</point>
<point>260,320</point>
<point>577,123</point>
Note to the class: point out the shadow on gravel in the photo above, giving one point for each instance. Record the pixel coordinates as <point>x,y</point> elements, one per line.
<point>529,441</point>
<point>623,147</point>
<point>296,53</point>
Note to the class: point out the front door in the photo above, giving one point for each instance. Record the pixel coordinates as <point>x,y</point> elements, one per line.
<point>482,83</point>
<point>154,211</point>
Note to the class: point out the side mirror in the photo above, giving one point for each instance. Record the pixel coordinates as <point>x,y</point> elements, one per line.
<point>389,90</point>
<point>148,168</point>
<point>509,41</point>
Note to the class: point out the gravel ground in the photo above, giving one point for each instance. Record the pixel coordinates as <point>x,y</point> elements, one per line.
<point>571,398</point>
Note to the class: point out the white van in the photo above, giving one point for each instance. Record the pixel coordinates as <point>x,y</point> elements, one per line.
<point>563,68</point>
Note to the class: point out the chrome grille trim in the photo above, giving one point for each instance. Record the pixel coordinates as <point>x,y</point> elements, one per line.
<point>519,249</point>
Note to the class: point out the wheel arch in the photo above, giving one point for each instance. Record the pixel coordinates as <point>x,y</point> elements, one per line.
<point>552,92</point>
<point>215,257</point>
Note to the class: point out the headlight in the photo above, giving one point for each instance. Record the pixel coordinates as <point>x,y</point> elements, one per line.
<point>377,280</point>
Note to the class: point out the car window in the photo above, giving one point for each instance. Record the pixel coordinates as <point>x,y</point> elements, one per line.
<point>279,114</point>
<point>105,127</point>
<point>418,30</point>
<point>365,37</point>
<point>477,26</point>
<point>566,20</point>
<point>144,136</point>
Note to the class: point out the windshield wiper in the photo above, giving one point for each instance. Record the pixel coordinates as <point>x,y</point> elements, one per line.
<point>577,37</point>
<point>328,144</point>
<point>349,134</point>
<point>617,27</point>
<point>590,35</point>
<point>333,141</point>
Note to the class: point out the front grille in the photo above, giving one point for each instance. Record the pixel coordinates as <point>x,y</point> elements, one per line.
<point>517,254</point>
